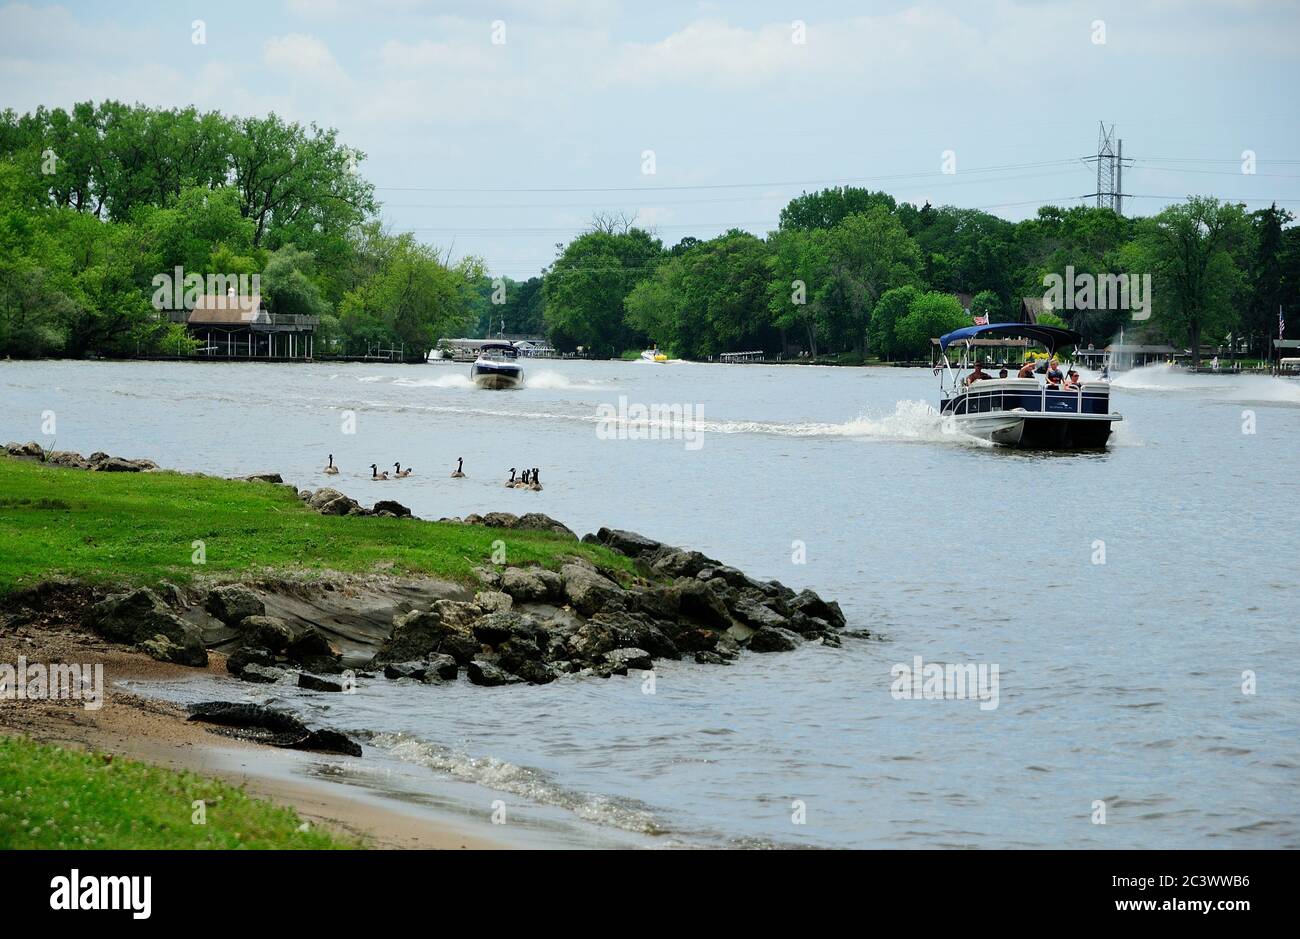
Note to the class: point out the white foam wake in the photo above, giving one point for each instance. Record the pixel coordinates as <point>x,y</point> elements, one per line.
<point>1237,388</point>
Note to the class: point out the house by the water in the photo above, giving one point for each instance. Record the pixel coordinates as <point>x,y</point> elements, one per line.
<point>234,326</point>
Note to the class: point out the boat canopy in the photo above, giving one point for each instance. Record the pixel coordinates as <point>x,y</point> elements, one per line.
<point>503,346</point>
<point>1053,337</point>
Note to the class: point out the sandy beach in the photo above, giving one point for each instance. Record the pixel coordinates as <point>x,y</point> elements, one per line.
<point>129,725</point>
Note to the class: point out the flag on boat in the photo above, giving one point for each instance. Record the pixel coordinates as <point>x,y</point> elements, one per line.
<point>1281,323</point>
<point>981,320</point>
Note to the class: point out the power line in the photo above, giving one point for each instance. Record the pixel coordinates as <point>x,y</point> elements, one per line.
<point>702,186</point>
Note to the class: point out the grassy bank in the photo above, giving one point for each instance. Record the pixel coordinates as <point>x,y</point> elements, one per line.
<point>141,528</point>
<point>51,798</point>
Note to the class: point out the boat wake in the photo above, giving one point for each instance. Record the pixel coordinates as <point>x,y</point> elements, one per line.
<point>554,381</point>
<point>909,421</point>
<point>1235,388</point>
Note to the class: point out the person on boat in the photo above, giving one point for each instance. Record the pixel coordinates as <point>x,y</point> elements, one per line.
<point>1054,375</point>
<point>1002,374</point>
<point>1027,370</point>
<point>1072,382</point>
<point>977,374</point>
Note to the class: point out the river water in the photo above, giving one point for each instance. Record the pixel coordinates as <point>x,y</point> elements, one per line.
<point>1121,596</point>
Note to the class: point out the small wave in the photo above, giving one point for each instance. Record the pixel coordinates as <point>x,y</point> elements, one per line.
<point>520,781</point>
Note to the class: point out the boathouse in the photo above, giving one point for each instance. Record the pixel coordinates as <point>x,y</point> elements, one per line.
<point>234,326</point>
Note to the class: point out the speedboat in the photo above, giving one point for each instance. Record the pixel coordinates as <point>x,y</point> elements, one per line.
<point>1021,412</point>
<point>497,366</point>
<point>653,355</point>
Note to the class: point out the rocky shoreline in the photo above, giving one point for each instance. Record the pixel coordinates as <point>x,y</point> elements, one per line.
<point>518,625</point>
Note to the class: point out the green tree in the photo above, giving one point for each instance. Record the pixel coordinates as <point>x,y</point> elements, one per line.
<point>1193,251</point>
<point>585,288</point>
<point>929,316</point>
<point>892,307</point>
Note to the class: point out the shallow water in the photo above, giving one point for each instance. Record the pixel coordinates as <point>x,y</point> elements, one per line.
<point>1119,682</point>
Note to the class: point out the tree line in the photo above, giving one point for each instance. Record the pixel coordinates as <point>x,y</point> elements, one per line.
<point>97,201</point>
<point>853,273</point>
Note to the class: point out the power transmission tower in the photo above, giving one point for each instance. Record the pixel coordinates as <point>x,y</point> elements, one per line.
<point>1110,170</point>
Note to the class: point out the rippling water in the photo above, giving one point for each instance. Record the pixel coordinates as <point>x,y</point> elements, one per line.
<point>1119,682</point>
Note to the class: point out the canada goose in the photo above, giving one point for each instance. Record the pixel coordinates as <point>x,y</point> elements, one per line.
<point>399,472</point>
<point>534,485</point>
<point>510,484</point>
<point>375,474</point>
<point>331,469</point>
<point>460,460</point>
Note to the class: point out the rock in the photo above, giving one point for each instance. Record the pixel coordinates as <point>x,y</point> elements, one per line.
<point>189,650</point>
<point>316,683</point>
<point>30,448</point>
<point>139,616</point>
<point>702,604</point>
<point>485,673</point>
<point>680,563</point>
<point>274,727</point>
<point>774,639</point>
<point>115,464</point>
<point>259,478</point>
<point>710,658</point>
<point>697,640</point>
<point>66,458</point>
<point>495,628</point>
<point>329,741</point>
<point>629,657</point>
<point>423,633</point>
<point>170,594</point>
<point>396,508</point>
<point>311,650</point>
<point>498,520</point>
<point>247,656</point>
<point>661,602</point>
<point>627,542</point>
<point>641,632</point>
<point>329,501</point>
<point>416,670</point>
<point>230,603</point>
<point>99,456</point>
<point>442,667</point>
<point>488,577</point>
<point>589,591</point>
<point>553,581</point>
<point>521,656</point>
<point>524,585</point>
<point>810,604</point>
<point>739,632</point>
<point>261,674</point>
<point>493,601</point>
<point>536,521</point>
<point>267,632</point>
<point>757,615</point>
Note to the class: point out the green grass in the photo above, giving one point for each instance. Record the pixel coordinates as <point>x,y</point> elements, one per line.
<point>140,528</point>
<point>51,798</point>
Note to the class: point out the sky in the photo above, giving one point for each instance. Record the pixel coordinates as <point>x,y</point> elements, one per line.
<point>498,128</point>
